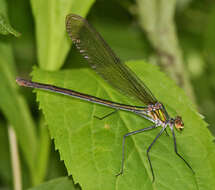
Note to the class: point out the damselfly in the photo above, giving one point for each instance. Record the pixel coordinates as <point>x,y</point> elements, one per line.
<point>104,61</point>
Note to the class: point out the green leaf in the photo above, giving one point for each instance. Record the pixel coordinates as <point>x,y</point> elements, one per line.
<point>43,153</point>
<point>5,27</point>
<point>52,41</point>
<point>91,149</point>
<point>14,107</point>
<point>5,165</point>
<point>56,184</point>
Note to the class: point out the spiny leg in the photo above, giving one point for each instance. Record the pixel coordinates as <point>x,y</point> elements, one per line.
<point>105,116</point>
<point>123,144</point>
<point>149,148</point>
<point>176,150</point>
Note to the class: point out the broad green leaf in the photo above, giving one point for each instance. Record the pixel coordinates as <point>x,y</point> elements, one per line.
<point>91,148</point>
<point>60,183</point>
<point>14,107</point>
<point>5,27</point>
<point>52,41</point>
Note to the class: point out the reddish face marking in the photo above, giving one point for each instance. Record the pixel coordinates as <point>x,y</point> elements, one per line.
<point>179,125</point>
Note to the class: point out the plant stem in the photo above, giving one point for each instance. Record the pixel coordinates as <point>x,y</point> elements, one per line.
<point>17,182</point>
<point>157,19</point>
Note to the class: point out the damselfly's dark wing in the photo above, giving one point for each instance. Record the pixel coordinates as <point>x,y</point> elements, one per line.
<point>103,60</point>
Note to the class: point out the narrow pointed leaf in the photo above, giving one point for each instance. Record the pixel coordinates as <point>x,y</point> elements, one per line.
<point>14,107</point>
<point>52,41</point>
<point>5,27</point>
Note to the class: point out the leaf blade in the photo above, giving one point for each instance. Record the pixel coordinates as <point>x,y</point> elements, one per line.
<point>15,108</point>
<point>95,146</point>
<point>5,27</point>
<point>54,184</point>
<point>52,41</point>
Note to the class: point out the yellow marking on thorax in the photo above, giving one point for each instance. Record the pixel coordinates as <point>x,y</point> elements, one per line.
<point>157,115</point>
<point>160,115</point>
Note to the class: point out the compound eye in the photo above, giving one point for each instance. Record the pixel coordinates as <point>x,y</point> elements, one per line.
<point>179,125</point>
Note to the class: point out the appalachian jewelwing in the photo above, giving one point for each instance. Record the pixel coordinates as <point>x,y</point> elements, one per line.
<point>104,61</point>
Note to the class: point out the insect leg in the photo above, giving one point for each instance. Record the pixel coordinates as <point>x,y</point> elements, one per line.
<point>149,148</point>
<point>123,144</point>
<point>176,150</point>
<point>105,116</point>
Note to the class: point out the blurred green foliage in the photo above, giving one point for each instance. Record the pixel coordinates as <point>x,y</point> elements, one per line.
<point>181,32</point>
